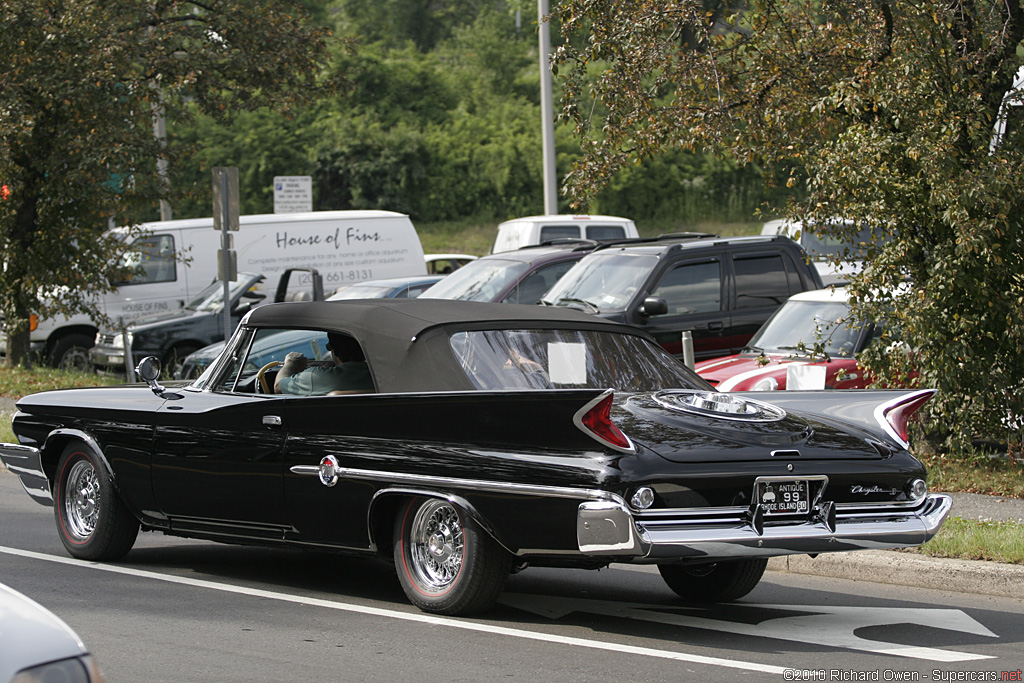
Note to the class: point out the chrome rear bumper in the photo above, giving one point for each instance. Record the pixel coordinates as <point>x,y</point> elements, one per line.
<point>610,528</point>
<point>25,461</point>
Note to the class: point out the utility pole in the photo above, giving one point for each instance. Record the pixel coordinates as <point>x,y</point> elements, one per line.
<point>547,112</point>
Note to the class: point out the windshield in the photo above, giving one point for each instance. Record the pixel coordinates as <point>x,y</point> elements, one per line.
<point>604,281</point>
<point>799,325</point>
<point>480,280</point>
<point>568,359</point>
<point>211,299</point>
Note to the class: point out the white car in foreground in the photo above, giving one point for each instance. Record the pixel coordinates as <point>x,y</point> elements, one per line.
<point>36,646</point>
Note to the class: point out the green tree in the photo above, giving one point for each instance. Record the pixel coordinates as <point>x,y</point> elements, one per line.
<point>80,85</point>
<point>884,113</point>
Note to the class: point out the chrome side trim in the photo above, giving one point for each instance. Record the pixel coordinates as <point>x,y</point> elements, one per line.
<point>27,463</point>
<point>458,483</point>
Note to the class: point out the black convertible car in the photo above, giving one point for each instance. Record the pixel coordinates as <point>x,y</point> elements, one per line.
<point>498,436</point>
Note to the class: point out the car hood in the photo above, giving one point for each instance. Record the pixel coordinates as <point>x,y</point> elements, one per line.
<point>698,426</point>
<point>743,366</point>
<point>30,634</point>
<point>164,318</point>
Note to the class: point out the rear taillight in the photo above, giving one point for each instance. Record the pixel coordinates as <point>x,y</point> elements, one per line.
<point>595,419</point>
<point>895,415</point>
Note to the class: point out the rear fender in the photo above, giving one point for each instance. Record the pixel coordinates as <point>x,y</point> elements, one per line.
<point>867,409</point>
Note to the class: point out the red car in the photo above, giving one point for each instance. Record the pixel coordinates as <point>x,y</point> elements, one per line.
<point>811,342</point>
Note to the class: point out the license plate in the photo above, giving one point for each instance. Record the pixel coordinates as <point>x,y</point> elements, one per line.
<point>784,497</point>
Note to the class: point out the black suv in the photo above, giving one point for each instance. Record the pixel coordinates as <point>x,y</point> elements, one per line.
<point>721,289</point>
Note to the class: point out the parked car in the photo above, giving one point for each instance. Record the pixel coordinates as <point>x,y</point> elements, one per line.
<point>443,264</point>
<point>825,244</point>
<point>720,289</point>
<point>388,288</point>
<point>36,645</point>
<point>391,288</point>
<point>499,436</point>
<point>519,277</point>
<point>812,342</point>
<point>532,230</point>
<point>171,337</point>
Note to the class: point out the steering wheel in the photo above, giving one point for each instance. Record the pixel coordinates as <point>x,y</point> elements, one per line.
<point>262,376</point>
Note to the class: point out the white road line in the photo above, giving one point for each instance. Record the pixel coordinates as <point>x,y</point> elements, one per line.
<point>418,617</point>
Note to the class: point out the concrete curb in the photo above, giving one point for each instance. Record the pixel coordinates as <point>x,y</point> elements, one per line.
<point>907,569</point>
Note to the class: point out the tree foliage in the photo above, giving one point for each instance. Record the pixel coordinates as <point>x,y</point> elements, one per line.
<point>884,111</point>
<point>81,83</point>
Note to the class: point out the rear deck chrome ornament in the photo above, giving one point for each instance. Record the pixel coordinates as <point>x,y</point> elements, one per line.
<point>720,405</point>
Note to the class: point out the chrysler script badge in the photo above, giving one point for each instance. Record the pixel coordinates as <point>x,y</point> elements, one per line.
<point>329,471</point>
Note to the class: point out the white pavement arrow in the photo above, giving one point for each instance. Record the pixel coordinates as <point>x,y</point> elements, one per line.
<point>822,625</point>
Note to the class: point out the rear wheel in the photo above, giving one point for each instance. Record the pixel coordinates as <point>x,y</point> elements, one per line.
<point>445,563</point>
<point>718,582</point>
<point>93,521</point>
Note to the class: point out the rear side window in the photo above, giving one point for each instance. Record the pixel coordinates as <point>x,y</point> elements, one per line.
<point>692,288</point>
<point>761,280</point>
<point>557,232</point>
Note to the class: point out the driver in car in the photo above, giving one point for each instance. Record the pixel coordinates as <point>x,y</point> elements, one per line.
<point>349,374</point>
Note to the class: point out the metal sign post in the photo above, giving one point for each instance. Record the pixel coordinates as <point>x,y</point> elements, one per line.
<point>225,219</point>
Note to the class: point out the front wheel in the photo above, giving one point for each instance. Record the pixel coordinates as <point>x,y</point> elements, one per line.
<point>446,564</point>
<point>718,582</point>
<point>93,521</point>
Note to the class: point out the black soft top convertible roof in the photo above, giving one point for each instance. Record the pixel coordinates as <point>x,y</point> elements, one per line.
<point>406,340</point>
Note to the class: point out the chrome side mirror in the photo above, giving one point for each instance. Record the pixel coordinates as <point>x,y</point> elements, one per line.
<point>149,370</point>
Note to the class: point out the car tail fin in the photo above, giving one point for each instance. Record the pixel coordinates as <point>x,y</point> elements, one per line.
<point>894,416</point>
<point>594,419</point>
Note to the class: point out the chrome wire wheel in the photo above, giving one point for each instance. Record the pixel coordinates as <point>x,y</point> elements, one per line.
<point>437,545</point>
<point>82,499</point>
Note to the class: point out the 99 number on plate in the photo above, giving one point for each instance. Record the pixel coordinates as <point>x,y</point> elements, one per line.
<point>783,497</point>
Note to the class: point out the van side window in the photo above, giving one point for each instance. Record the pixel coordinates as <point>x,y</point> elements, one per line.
<point>605,232</point>
<point>152,257</point>
<point>558,232</point>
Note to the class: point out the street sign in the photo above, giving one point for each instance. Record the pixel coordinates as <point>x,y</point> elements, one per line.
<point>225,197</point>
<point>293,193</point>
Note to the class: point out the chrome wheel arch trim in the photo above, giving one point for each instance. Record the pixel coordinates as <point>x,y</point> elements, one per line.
<point>62,434</point>
<point>412,492</point>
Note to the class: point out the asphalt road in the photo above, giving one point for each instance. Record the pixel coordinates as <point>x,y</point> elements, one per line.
<point>181,610</point>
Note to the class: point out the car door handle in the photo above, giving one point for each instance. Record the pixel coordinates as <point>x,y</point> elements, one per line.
<point>271,421</point>
<point>715,325</point>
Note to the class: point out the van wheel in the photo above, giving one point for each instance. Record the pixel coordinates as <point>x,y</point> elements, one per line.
<point>93,522</point>
<point>71,352</point>
<point>175,358</point>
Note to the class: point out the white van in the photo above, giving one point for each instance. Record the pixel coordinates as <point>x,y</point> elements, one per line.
<point>524,232</point>
<point>179,258</point>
